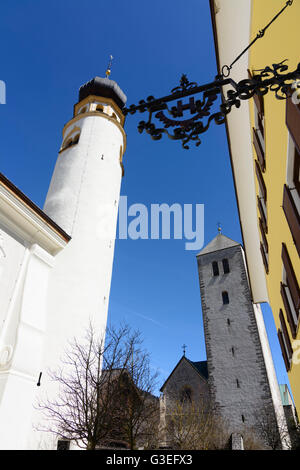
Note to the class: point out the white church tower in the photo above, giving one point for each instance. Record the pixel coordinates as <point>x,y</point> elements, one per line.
<point>83,199</point>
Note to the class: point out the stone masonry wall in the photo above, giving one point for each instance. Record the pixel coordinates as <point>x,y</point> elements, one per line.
<point>238,380</point>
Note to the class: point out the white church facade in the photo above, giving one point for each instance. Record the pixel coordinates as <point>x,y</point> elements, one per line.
<point>56,264</point>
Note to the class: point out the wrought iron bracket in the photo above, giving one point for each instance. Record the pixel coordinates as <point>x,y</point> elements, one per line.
<point>274,78</point>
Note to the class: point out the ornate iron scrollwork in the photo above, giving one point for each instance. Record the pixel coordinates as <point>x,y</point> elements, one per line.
<point>201,112</point>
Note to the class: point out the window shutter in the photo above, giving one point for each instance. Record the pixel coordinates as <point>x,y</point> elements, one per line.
<point>288,310</point>
<point>261,182</point>
<point>291,278</point>
<point>293,121</point>
<point>263,236</point>
<point>264,257</point>
<point>292,216</point>
<point>286,335</point>
<point>259,150</point>
<point>296,171</point>
<point>284,354</point>
<point>262,215</point>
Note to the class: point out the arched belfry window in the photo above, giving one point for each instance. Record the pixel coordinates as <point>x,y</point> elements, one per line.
<point>225,297</point>
<point>225,265</point>
<point>83,110</point>
<point>100,108</point>
<point>69,141</point>
<point>215,268</point>
<point>186,394</point>
<point>75,139</point>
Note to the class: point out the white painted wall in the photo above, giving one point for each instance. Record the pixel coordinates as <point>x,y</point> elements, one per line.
<point>275,392</point>
<point>21,347</point>
<point>83,199</point>
<point>28,244</point>
<point>233,21</point>
<point>11,255</point>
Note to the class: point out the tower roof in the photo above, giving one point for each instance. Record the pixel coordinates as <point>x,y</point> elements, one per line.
<point>201,367</point>
<point>105,88</point>
<point>220,242</point>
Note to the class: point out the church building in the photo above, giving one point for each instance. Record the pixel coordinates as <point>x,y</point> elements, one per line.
<point>238,379</point>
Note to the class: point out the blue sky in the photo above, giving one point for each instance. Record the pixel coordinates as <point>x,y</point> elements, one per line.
<point>49,49</point>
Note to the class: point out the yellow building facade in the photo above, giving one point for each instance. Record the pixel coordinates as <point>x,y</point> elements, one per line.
<point>264,143</point>
<point>276,156</point>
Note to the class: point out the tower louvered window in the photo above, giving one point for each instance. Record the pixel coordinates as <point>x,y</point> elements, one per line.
<point>225,266</point>
<point>215,268</point>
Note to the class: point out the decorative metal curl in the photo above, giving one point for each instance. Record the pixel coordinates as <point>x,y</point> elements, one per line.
<point>201,114</point>
<point>259,35</point>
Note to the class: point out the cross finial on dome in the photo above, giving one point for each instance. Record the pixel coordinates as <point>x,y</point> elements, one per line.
<point>108,70</point>
<point>219,228</point>
<point>184,348</point>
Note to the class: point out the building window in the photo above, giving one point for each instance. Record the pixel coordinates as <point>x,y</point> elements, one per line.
<point>75,139</point>
<point>258,132</point>
<point>225,266</point>
<point>215,268</point>
<point>63,444</point>
<point>70,141</point>
<point>228,322</point>
<point>262,207</point>
<point>83,110</point>
<point>285,342</point>
<point>259,148</point>
<point>261,183</point>
<point>232,351</point>
<point>291,281</point>
<point>186,395</point>
<point>296,171</point>
<point>265,257</point>
<point>291,191</point>
<point>243,418</point>
<point>100,108</point>
<point>262,212</point>
<point>237,383</point>
<point>289,308</point>
<point>264,247</point>
<point>225,297</point>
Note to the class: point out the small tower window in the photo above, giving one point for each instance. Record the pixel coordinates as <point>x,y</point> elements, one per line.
<point>114,116</point>
<point>83,110</point>
<point>71,141</point>
<point>225,297</point>
<point>215,268</point>
<point>232,350</point>
<point>68,143</point>
<point>243,418</point>
<point>225,266</point>
<point>76,139</point>
<point>228,322</point>
<point>100,108</point>
<point>237,383</point>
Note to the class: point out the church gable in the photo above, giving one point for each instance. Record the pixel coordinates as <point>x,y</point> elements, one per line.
<point>188,380</point>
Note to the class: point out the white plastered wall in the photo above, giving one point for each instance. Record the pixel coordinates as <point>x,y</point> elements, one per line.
<point>233,37</point>
<point>83,199</point>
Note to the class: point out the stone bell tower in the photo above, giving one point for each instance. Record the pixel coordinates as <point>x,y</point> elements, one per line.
<point>83,199</point>
<point>241,374</point>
